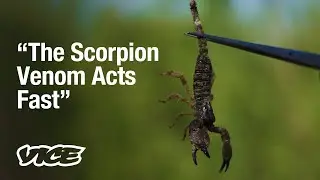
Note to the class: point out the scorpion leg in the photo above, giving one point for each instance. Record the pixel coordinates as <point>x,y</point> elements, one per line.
<point>185,133</point>
<point>189,100</point>
<point>226,147</point>
<point>183,81</point>
<point>176,96</point>
<point>178,117</point>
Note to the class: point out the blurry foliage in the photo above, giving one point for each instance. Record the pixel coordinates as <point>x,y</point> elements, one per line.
<point>271,108</point>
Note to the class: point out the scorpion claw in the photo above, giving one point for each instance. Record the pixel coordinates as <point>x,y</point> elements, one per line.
<point>226,154</point>
<point>194,156</point>
<point>205,151</point>
<point>225,164</point>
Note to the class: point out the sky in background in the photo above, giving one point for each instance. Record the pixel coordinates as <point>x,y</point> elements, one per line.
<point>286,11</point>
<point>244,8</point>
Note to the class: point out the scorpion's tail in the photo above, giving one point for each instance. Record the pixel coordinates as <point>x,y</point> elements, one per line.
<point>198,27</point>
<point>204,74</point>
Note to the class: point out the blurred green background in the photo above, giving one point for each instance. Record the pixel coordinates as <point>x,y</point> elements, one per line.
<point>271,108</point>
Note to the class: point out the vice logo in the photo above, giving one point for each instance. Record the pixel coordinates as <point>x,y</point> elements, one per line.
<point>43,155</point>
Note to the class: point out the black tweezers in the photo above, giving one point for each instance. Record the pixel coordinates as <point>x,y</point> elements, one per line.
<point>293,56</point>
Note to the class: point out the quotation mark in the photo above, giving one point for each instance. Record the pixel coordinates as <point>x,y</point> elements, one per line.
<point>22,47</point>
<point>65,94</point>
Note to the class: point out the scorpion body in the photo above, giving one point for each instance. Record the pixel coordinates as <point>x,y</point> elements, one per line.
<point>200,101</point>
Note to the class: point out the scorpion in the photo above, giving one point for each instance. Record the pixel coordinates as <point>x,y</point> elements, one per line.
<point>200,101</point>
